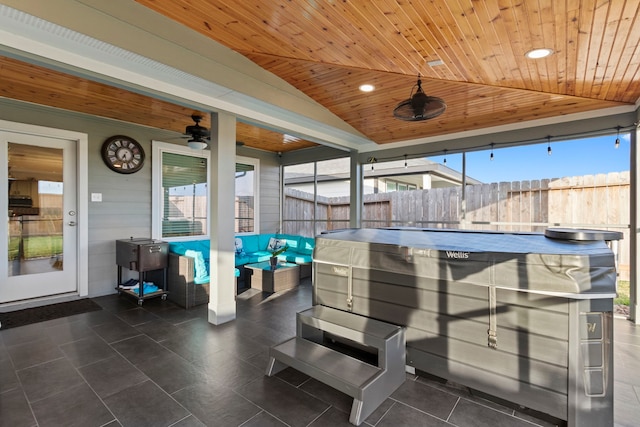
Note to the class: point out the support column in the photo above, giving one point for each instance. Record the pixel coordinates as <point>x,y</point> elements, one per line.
<point>222,303</point>
<point>426,182</point>
<point>634,256</point>
<point>315,201</point>
<point>356,184</point>
<point>463,202</point>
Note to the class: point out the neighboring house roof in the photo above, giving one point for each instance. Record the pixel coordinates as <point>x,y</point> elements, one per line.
<point>338,170</point>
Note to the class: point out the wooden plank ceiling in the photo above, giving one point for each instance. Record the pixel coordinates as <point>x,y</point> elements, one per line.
<point>31,83</point>
<point>327,49</point>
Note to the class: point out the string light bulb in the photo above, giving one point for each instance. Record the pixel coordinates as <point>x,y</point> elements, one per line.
<point>372,160</point>
<point>445,157</point>
<point>491,156</point>
<point>548,145</point>
<point>617,144</point>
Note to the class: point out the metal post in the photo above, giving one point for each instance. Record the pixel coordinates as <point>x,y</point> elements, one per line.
<point>463,202</point>
<point>634,274</point>
<point>356,188</point>
<point>281,196</point>
<point>315,198</point>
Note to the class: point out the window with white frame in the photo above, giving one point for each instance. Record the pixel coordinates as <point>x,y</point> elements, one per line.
<point>247,195</point>
<point>180,192</point>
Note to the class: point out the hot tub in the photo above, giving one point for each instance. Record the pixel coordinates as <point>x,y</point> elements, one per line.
<point>525,317</point>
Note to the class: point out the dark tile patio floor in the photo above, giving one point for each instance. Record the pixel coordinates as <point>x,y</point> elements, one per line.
<point>160,365</point>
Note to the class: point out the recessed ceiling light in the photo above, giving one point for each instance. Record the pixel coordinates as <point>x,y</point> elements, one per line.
<point>435,63</point>
<point>538,53</point>
<point>367,88</point>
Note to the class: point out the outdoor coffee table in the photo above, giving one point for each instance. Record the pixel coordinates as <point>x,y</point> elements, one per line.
<point>263,277</point>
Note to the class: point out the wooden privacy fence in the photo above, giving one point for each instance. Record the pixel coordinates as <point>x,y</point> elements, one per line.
<point>48,220</point>
<point>591,201</point>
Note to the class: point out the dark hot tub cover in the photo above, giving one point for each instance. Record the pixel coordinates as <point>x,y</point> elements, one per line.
<point>529,262</point>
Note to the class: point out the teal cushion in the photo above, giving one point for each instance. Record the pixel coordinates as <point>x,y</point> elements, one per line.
<point>203,247</point>
<point>177,248</point>
<point>306,245</point>
<point>263,240</point>
<point>195,245</point>
<point>250,243</point>
<point>295,258</point>
<point>242,259</point>
<point>291,241</point>
<point>260,256</point>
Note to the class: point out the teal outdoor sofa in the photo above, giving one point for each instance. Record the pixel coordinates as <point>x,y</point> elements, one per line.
<point>258,247</point>
<point>188,280</point>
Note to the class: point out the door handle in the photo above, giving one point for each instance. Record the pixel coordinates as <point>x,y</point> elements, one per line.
<point>72,223</point>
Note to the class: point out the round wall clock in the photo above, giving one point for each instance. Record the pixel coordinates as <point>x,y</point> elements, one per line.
<point>123,154</point>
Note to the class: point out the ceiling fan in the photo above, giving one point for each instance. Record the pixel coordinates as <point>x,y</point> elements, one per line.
<point>199,135</point>
<point>419,106</point>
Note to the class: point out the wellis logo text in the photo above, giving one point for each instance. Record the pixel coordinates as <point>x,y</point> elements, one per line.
<point>457,255</point>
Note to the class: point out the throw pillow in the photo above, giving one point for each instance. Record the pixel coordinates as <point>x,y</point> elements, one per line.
<point>238,245</point>
<point>274,244</point>
<point>199,263</point>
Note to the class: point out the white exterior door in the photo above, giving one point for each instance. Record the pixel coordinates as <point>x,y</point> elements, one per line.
<point>39,257</point>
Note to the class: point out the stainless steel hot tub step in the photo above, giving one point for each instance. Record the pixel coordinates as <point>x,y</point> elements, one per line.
<point>369,385</point>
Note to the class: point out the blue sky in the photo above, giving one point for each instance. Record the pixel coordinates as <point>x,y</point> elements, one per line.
<point>569,158</point>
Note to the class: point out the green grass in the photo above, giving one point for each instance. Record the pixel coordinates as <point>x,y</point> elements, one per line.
<point>36,246</point>
<point>623,293</point>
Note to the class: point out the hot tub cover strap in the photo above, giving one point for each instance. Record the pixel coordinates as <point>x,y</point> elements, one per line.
<point>493,328</point>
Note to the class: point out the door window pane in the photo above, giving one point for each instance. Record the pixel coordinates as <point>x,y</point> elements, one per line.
<point>35,209</point>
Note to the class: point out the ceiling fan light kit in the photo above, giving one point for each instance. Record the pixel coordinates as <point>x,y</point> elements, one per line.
<point>197,145</point>
<point>419,106</point>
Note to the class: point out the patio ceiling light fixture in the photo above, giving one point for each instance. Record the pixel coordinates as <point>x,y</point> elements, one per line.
<point>197,144</point>
<point>419,106</point>
<point>539,53</point>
